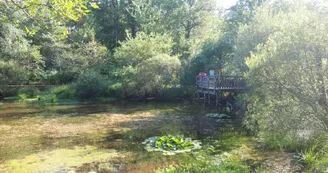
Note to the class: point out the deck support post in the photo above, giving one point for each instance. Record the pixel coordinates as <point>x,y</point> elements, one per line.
<point>216,99</point>
<point>198,97</point>
<point>204,97</point>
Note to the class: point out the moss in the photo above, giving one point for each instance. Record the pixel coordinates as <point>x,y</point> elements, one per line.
<point>61,159</point>
<point>227,167</point>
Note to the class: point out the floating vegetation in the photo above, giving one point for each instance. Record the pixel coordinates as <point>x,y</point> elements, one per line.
<point>171,145</point>
<point>61,160</point>
<point>221,118</point>
<point>216,115</point>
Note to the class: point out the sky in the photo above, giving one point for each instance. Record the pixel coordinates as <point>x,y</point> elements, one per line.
<point>226,3</point>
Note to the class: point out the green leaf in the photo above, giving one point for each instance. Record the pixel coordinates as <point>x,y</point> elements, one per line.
<point>27,30</point>
<point>176,140</point>
<point>94,5</point>
<point>84,7</point>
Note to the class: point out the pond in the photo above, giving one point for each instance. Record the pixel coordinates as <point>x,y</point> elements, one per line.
<point>107,137</point>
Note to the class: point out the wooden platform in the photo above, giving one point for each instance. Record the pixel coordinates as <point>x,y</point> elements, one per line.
<point>209,86</point>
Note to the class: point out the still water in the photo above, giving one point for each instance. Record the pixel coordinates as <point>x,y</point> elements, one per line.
<point>107,137</point>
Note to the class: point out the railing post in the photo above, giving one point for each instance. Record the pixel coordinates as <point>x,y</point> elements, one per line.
<point>234,82</point>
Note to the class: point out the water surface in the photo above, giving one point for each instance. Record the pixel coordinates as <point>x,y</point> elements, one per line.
<point>107,137</point>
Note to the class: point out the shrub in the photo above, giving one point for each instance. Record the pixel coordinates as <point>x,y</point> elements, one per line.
<point>62,78</point>
<point>146,65</point>
<point>178,92</point>
<point>316,156</point>
<point>309,156</point>
<point>11,74</point>
<point>320,165</point>
<point>282,141</point>
<point>29,92</point>
<point>156,73</point>
<point>63,92</point>
<point>91,85</point>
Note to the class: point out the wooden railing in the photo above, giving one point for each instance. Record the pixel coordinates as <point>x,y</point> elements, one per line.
<point>221,82</point>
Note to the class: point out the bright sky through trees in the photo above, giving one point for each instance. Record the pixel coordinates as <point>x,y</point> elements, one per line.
<point>226,3</point>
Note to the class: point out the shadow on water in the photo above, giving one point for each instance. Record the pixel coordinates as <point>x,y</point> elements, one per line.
<point>14,110</point>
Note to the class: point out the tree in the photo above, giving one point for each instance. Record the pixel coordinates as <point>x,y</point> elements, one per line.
<point>40,10</point>
<point>287,70</point>
<point>134,50</point>
<point>157,73</point>
<point>190,23</point>
<point>112,20</point>
<point>145,65</point>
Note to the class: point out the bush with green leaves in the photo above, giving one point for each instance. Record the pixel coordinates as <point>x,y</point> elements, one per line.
<point>12,74</point>
<point>61,78</point>
<point>309,156</point>
<point>320,165</point>
<point>135,50</point>
<point>91,85</point>
<point>64,92</point>
<point>287,71</point>
<point>146,65</point>
<point>156,73</point>
<point>29,92</point>
<point>315,156</point>
<point>178,92</point>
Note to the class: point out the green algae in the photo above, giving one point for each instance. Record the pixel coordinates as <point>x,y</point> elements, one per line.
<point>60,159</point>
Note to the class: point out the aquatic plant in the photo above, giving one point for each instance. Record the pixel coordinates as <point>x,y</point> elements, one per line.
<point>171,144</point>
<point>216,115</point>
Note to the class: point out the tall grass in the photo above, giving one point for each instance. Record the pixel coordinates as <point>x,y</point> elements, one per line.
<point>310,155</point>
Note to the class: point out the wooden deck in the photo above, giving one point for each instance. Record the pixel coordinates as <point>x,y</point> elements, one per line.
<point>221,82</point>
<point>213,86</point>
